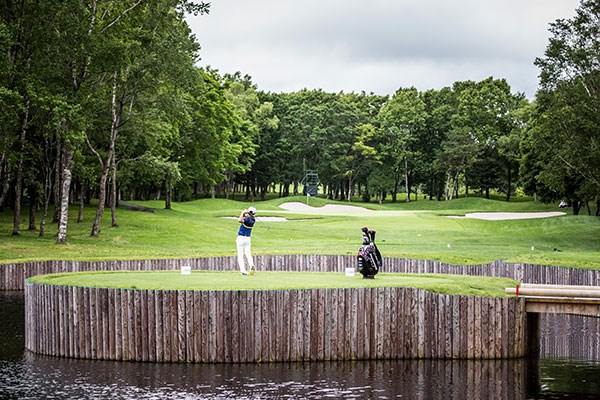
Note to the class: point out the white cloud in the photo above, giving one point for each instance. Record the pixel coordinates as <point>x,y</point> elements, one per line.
<point>378,46</point>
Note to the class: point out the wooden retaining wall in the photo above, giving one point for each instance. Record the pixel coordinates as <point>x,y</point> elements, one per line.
<point>570,336</point>
<point>264,326</point>
<point>12,276</point>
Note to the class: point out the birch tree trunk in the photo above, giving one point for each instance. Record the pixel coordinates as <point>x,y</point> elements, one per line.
<point>113,192</point>
<point>63,220</point>
<point>350,188</point>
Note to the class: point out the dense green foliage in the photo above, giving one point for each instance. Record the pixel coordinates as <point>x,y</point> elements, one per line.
<point>566,140</point>
<point>270,280</point>
<point>102,100</point>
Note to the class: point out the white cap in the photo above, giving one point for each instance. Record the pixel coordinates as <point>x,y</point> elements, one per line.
<point>252,210</point>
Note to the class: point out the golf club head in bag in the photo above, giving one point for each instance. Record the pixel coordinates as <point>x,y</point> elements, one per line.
<point>368,233</point>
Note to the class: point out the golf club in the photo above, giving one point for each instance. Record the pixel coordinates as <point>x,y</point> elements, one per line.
<point>263,222</point>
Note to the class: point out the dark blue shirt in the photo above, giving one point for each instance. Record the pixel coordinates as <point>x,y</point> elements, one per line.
<point>246,226</point>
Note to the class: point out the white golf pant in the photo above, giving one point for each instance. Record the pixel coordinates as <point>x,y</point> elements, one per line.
<point>243,249</point>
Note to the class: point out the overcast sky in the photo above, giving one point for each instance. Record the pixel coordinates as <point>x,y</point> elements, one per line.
<point>378,45</point>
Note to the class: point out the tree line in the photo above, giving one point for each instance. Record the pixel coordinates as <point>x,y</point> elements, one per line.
<point>104,100</point>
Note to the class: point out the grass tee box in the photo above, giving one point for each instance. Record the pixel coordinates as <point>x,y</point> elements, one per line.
<point>276,280</point>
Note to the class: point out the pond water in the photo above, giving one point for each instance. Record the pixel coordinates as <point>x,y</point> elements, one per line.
<point>24,375</point>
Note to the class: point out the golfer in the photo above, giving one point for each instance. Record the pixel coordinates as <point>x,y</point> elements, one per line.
<point>247,221</point>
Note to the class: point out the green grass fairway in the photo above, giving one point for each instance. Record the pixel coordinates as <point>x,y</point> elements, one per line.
<point>271,280</point>
<point>420,229</point>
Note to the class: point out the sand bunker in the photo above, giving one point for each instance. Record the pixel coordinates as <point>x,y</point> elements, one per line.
<point>498,216</point>
<point>339,209</point>
<point>271,219</point>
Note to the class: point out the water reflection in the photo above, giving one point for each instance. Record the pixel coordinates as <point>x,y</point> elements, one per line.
<point>38,376</point>
<point>570,336</point>
<point>24,375</point>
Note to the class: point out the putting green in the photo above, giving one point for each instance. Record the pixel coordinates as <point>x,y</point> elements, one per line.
<point>276,280</point>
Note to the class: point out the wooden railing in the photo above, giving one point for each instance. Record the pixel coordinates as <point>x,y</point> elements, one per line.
<point>559,299</point>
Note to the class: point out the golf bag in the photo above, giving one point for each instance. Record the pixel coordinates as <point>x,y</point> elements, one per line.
<point>369,258</point>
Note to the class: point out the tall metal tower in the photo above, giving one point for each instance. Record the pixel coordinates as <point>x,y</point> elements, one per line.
<point>310,182</point>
